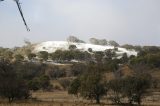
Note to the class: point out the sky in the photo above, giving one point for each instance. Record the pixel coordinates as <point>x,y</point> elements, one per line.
<point>134,22</point>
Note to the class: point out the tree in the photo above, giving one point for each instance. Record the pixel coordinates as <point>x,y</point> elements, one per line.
<point>6,53</point>
<point>132,87</point>
<point>136,87</point>
<point>11,86</point>
<point>34,84</point>
<point>127,46</point>
<point>43,55</point>
<point>92,86</point>
<point>103,42</point>
<point>77,69</point>
<point>124,58</point>
<point>31,56</point>
<point>151,49</point>
<point>56,73</point>
<point>41,82</point>
<point>98,41</point>
<point>57,55</point>
<point>19,57</point>
<point>90,49</point>
<point>109,54</point>
<point>89,85</point>
<point>113,43</point>
<point>74,39</point>
<point>99,56</point>
<point>45,82</point>
<point>74,87</point>
<point>72,47</point>
<point>116,88</point>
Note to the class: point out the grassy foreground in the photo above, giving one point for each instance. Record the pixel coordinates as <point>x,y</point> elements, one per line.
<point>61,98</point>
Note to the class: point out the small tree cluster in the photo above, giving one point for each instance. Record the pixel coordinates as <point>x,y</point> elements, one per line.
<point>133,88</point>
<point>89,85</point>
<point>74,39</point>
<point>103,42</point>
<point>98,41</point>
<point>68,55</point>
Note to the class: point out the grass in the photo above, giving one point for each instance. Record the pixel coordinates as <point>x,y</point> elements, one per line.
<point>61,98</point>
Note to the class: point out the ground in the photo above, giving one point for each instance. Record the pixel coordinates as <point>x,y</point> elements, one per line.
<point>61,98</point>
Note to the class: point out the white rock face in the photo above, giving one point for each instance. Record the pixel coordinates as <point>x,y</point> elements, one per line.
<point>52,46</point>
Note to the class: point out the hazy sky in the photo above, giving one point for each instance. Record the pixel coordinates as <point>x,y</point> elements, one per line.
<point>125,21</point>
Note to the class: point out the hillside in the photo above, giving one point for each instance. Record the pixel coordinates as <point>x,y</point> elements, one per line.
<point>52,46</point>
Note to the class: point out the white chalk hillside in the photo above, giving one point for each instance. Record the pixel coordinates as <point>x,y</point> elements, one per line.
<point>52,46</point>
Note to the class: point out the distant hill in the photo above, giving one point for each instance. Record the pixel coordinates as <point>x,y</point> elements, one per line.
<point>52,46</point>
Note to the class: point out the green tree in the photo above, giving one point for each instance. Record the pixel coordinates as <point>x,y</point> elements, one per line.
<point>99,56</point>
<point>109,54</point>
<point>74,87</point>
<point>78,69</point>
<point>116,88</point>
<point>57,55</point>
<point>124,58</point>
<point>31,56</point>
<point>34,84</point>
<point>92,85</point>
<point>74,39</point>
<point>72,47</point>
<point>6,54</point>
<point>136,87</point>
<point>43,55</point>
<point>45,82</point>
<point>19,57</point>
<point>113,43</point>
<point>90,49</point>
<point>11,86</point>
<point>132,87</point>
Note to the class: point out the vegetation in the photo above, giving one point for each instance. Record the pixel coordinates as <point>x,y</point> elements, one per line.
<point>74,39</point>
<point>98,41</point>
<point>132,87</point>
<point>90,85</point>
<point>11,86</point>
<point>89,77</point>
<point>43,55</point>
<point>103,42</point>
<point>69,55</point>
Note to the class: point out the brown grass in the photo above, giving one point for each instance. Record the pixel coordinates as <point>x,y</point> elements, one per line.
<point>61,98</point>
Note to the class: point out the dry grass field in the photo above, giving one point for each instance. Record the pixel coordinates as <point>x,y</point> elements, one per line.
<point>61,98</point>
